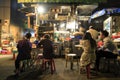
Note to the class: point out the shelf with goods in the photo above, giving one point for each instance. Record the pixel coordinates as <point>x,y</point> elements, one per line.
<point>5,48</point>
<point>61,36</point>
<point>5,44</point>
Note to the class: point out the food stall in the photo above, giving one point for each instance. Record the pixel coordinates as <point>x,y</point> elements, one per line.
<point>5,40</point>
<point>111,24</point>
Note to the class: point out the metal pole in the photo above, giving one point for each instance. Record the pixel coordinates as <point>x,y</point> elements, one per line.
<point>36,14</point>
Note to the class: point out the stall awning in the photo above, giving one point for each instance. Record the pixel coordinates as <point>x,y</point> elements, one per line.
<point>98,13</point>
<point>106,11</point>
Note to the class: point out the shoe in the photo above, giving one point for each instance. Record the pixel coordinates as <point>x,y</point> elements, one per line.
<point>82,70</point>
<point>16,75</point>
<point>17,72</point>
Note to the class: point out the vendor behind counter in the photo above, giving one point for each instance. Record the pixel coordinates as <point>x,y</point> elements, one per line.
<point>74,41</point>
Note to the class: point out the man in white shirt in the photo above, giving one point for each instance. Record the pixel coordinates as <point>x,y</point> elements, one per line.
<point>108,50</point>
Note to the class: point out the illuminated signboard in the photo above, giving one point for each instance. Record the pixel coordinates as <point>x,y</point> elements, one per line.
<point>60,1</point>
<point>113,10</point>
<point>107,24</point>
<point>98,14</point>
<point>104,11</point>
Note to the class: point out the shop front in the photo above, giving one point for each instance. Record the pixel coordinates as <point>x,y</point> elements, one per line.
<point>111,22</point>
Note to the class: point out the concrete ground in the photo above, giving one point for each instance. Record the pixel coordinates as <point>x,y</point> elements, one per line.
<point>62,73</point>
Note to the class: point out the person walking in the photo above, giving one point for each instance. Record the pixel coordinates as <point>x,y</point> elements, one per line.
<point>88,56</point>
<point>94,33</point>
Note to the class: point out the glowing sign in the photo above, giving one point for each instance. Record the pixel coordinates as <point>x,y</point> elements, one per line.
<point>60,1</point>
<point>107,24</point>
<point>113,10</point>
<point>98,14</point>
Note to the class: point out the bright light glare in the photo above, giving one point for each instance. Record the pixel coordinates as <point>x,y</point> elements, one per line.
<point>62,25</point>
<point>71,25</point>
<point>40,9</point>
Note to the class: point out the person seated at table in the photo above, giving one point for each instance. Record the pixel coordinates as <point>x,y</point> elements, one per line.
<point>88,56</point>
<point>47,45</point>
<point>108,50</point>
<point>24,48</point>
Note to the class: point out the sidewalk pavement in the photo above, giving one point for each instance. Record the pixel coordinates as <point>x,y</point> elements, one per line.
<point>62,73</point>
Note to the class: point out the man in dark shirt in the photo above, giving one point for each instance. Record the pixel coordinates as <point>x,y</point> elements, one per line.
<point>24,49</point>
<point>47,46</point>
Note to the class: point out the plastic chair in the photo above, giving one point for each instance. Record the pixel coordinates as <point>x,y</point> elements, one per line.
<point>50,62</point>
